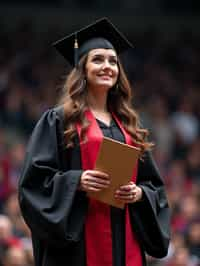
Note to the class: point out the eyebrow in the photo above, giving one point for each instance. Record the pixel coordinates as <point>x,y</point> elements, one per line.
<point>101,55</point>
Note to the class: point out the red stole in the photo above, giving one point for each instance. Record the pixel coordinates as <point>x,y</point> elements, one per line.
<point>98,235</point>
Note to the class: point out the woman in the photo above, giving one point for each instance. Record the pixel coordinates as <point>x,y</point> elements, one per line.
<point>68,227</point>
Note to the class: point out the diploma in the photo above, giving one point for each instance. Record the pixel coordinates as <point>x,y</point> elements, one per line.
<point>118,160</point>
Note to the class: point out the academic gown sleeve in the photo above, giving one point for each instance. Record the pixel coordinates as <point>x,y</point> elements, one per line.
<point>150,217</point>
<point>47,193</point>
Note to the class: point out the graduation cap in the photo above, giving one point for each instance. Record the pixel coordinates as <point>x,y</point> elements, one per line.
<point>100,34</point>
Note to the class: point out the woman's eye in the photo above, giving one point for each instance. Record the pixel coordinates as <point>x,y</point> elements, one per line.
<point>97,59</point>
<point>113,62</point>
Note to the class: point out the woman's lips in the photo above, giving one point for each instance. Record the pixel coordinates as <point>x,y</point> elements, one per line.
<point>106,77</point>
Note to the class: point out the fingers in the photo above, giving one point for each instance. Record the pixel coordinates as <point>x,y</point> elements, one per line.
<point>127,190</point>
<point>124,194</point>
<point>129,193</point>
<point>93,180</point>
<point>97,173</point>
<point>130,185</point>
<point>96,182</point>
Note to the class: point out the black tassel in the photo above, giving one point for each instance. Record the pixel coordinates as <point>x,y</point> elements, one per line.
<point>76,51</point>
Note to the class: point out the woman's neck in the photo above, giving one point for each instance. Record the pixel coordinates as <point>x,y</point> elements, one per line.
<point>97,101</point>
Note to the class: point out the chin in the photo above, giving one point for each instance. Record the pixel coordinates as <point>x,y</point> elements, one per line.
<point>105,85</point>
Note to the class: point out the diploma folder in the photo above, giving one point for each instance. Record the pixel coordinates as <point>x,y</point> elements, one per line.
<point>118,160</point>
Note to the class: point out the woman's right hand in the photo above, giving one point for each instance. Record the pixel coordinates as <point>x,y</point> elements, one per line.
<point>94,181</point>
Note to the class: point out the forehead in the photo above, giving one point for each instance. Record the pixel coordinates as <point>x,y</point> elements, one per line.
<point>103,52</point>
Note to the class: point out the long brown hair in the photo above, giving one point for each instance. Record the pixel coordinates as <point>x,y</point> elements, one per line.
<point>119,101</point>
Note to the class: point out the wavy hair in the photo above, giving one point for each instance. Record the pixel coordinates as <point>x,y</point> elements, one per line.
<point>119,101</point>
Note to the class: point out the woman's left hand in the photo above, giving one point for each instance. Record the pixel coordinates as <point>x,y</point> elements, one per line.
<point>129,193</point>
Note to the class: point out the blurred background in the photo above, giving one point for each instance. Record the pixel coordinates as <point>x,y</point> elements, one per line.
<point>164,70</point>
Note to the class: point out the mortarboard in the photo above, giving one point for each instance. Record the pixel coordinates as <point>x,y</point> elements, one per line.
<point>100,34</point>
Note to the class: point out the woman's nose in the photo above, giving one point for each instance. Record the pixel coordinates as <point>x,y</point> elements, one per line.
<point>106,64</point>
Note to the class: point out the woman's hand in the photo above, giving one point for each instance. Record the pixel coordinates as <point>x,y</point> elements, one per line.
<point>94,181</point>
<point>129,193</point>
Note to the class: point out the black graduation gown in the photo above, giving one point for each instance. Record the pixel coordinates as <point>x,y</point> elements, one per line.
<point>55,210</point>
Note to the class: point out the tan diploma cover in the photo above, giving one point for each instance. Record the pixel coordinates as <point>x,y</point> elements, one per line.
<point>118,160</point>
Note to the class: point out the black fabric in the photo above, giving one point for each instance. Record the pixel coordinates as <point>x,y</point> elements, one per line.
<point>102,28</point>
<point>55,210</point>
<point>94,44</point>
<point>151,216</point>
<point>50,203</point>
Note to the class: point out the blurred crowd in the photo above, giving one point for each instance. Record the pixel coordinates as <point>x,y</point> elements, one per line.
<point>164,71</point>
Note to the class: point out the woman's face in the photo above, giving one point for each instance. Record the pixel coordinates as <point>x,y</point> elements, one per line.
<point>102,68</point>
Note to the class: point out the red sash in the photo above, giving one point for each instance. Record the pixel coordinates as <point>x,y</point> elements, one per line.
<point>98,235</point>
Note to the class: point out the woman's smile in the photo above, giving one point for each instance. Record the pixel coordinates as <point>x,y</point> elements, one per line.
<point>104,76</point>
